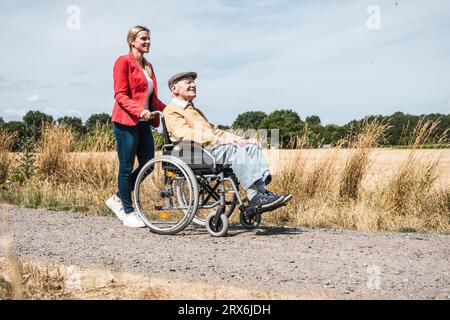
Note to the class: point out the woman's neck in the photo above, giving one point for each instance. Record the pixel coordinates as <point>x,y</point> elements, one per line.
<point>138,55</point>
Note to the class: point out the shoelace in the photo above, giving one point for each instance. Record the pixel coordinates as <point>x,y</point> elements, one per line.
<point>270,194</point>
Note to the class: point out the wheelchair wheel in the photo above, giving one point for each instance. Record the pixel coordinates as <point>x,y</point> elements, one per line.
<point>219,230</point>
<point>202,214</point>
<point>155,199</point>
<point>250,223</point>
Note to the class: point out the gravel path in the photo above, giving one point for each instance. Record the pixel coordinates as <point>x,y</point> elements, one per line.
<point>311,262</point>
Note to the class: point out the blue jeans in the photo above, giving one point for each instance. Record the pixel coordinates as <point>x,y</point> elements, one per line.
<point>247,162</point>
<point>132,141</point>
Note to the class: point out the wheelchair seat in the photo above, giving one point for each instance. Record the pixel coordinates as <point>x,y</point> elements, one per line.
<point>196,158</point>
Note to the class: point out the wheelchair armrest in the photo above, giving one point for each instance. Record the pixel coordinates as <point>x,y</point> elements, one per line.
<point>211,156</point>
<point>167,149</point>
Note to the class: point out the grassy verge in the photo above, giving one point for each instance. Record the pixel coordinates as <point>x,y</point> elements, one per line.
<point>324,195</point>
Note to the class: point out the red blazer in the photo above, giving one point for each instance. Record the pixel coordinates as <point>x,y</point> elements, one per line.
<point>131,90</point>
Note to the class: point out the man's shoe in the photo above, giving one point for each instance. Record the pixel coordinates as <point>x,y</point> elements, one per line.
<point>133,220</point>
<point>263,201</point>
<point>286,197</point>
<point>116,207</point>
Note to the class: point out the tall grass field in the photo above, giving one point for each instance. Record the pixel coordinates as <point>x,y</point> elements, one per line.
<point>353,185</point>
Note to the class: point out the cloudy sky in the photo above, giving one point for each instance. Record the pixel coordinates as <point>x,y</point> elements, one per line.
<point>337,59</point>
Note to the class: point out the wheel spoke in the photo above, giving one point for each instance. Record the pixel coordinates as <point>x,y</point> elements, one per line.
<point>155,197</point>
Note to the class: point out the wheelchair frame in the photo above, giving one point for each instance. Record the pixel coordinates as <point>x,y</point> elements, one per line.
<point>201,178</point>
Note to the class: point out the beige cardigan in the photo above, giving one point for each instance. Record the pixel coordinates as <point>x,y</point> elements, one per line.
<point>191,124</point>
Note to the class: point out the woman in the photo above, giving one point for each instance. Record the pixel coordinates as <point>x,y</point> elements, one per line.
<point>136,96</point>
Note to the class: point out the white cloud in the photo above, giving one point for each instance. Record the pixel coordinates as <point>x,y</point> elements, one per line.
<point>34,98</point>
<point>311,56</point>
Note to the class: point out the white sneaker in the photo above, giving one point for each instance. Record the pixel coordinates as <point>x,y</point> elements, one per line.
<point>133,220</point>
<point>116,207</point>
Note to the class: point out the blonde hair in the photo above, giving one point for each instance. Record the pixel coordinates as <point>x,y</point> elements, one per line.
<point>132,35</point>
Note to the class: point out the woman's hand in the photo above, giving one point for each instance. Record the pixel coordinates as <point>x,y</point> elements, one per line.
<point>146,115</point>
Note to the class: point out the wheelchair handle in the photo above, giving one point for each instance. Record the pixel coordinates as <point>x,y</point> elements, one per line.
<point>154,113</point>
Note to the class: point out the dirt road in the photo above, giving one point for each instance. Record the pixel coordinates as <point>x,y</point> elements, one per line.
<point>304,263</point>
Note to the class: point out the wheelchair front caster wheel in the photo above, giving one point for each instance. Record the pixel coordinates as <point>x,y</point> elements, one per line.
<point>250,223</point>
<point>217,230</point>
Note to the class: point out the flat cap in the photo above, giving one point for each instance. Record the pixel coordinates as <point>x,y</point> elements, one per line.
<point>180,76</point>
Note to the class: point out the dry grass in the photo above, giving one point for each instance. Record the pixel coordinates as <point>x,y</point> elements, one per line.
<point>53,151</point>
<point>13,288</point>
<point>6,141</point>
<point>18,280</point>
<point>331,195</point>
<point>99,139</point>
<point>50,281</point>
<point>414,179</point>
<point>82,185</point>
<point>65,180</point>
<point>35,283</point>
<point>368,138</point>
<point>411,193</point>
<point>350,187</point>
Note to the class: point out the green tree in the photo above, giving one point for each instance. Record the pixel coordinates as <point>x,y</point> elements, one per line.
<point>223,127</point>
<point>75,123</point>
<point>22,133</point>
<point>332,133</point>
<point>99,118</point>
<point>34,121</point>
<point>249,120</point>
<point>443,125</point>
<point>287,121</point>
<point>37,119</point>
<point>313,120</point>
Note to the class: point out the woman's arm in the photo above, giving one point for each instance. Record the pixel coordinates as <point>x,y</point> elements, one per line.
<point>122,88</point>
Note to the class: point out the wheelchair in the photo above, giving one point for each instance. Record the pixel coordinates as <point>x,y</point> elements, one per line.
<point>183,185</point>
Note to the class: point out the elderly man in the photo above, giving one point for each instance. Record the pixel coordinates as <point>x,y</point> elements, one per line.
<point>185,122</point>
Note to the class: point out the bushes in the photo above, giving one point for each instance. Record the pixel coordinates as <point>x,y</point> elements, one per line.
<point>6,142</point>
<point>328,193</point>
<point>53,151</point>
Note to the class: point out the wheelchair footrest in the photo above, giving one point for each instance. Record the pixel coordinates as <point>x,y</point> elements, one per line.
<point>250,212</point>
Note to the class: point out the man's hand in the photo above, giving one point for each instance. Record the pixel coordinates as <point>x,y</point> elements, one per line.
<point>239,142</point>
<point>146,115</point>
<point>222,141</point>
<point>255,142</point>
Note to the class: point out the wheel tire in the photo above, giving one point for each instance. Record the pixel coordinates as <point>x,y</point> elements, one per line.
<point>250,223</point>
<point>202,222</point>
<point>222,227</point>
<point>189,215</point>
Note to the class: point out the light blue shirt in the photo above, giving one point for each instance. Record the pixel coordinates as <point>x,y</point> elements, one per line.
<point>150,89</point>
